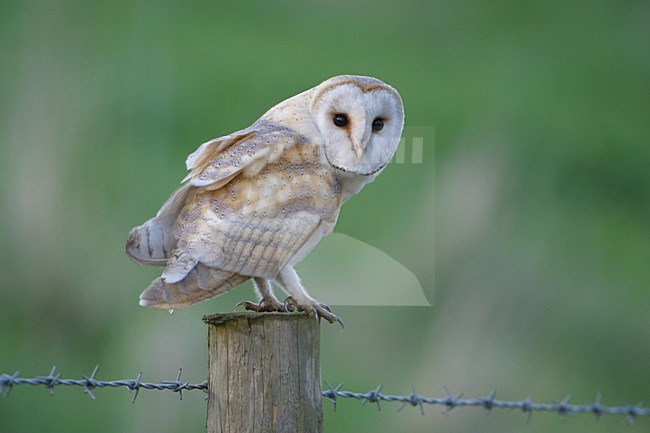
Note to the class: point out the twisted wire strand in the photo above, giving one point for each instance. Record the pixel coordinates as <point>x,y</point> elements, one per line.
<point>89,383</point>
<point>333,394</point>
<point>489,403</point>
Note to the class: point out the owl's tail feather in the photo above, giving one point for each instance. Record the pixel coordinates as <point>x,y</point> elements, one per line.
<point>200,284</point>
<point>152,243</point>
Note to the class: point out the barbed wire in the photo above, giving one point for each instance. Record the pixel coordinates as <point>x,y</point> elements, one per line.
<point>333,394</point>
<point>52,380</point>
<point>488,403</point>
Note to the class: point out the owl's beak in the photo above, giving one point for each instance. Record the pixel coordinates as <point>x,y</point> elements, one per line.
<point>357,148</point>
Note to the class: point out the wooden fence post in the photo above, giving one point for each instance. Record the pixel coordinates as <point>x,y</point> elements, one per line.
<point>264,373</point>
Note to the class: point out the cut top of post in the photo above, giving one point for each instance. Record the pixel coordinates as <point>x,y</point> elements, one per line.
<point>222,318</point>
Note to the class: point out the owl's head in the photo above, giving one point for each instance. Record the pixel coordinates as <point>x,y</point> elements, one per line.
<point>360,120</point>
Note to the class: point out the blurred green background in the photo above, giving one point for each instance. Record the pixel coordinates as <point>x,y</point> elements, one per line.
<point>536,204</point>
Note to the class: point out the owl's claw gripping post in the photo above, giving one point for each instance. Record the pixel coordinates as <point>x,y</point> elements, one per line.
<point>317,310</point>
<point>266,304</point>
<point>288,304</point>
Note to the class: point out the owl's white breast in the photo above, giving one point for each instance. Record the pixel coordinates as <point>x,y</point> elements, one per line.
<point>353,183</point>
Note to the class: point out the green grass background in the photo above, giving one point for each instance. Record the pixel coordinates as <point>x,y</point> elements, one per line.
<point>529,226</point>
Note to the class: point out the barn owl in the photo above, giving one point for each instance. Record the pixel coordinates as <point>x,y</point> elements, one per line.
<point>257,201</point>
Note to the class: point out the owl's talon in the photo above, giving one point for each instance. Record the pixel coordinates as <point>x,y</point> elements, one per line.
<point>248,306</point>
<point>266,304</point>
<point>245,304</point>
<point>316,310</point>
<point>331,317</point>
<point>290,304</point>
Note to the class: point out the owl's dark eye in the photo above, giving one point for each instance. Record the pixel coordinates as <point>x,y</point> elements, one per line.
<point>340,120</point>
<point>377,124</point>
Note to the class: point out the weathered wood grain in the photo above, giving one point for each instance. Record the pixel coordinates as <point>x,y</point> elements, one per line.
<point>264,373</point>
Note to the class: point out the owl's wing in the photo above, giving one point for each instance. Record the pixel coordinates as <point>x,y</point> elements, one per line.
<point>262,220</point>
<point>258,247</point>
<point>212,165</point>
<point>218,161</point>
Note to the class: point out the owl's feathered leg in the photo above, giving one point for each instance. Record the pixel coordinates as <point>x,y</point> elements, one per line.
<point>267,300</point>
<point>300,299</point>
